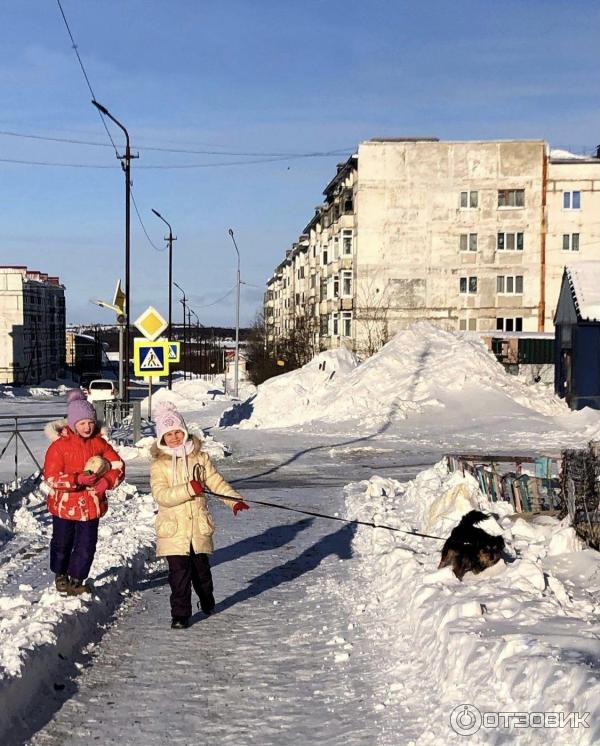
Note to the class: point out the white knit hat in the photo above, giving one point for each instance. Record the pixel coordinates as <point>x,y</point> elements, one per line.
<point>167,419</point>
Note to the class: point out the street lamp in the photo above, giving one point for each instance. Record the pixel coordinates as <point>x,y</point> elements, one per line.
<point>169,241</point>
<point>183,301</point>
<point>237,319</point>
<point>126,165</point>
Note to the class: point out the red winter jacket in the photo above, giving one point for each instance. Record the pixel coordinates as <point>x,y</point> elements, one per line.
<point>65,460</point>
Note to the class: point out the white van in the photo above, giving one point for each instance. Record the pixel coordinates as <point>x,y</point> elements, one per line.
<point>101,389</point>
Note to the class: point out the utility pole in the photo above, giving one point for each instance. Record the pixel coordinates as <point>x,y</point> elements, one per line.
<point>183,302</point>
<point>197,354</point>
<point>237,320</point>
<point>126,166</point>
<point>169,241</point>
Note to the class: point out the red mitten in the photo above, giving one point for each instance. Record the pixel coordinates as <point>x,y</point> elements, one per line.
<point>87,480</point>
<point>239,505</point>
<point>101,486</point>
<point>196,487</point>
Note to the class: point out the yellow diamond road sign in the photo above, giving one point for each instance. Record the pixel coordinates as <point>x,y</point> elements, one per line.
<point>151,323</point>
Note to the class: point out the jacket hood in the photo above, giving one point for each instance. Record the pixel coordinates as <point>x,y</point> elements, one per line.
<point>155,451</point>
<point>53,429</point>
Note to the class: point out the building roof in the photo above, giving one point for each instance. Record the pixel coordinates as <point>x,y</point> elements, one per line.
<point>584,281</point>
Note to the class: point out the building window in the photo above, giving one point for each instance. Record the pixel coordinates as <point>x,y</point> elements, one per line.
<point>346,323</point>
<point>468,285</point>
<point>511,198</point>
<point>468,241</point>
<point>509,284</point>
<point>347,283</point>
<point>323,325</point>
<point>323,293</point>
<point>510,242</point>
<point>570,242</point>
<point>469,199</point>
<point>572,200</point>
<point>470,324</point>
<point>509,324</point>
<point>334,324</point>
<point>336,248</point>
<point>324,256</point>
<point>347,242</point>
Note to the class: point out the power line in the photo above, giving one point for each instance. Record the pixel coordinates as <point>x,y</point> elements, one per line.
<point>160,167</point>
<point>150,241</point>
<point>187,151</point>
<point>85,75</point>
<point>214,303</point>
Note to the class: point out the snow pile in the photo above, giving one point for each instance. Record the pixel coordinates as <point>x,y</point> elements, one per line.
<point>520,637</point>
<point>188,395</point>
<point>36,622</point>
<point>561,154</point>
<point>295,397</point>
<point>424,366</point>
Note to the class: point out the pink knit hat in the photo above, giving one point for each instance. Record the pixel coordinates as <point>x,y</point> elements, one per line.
<point>167,419</point>
<point>79,408</point>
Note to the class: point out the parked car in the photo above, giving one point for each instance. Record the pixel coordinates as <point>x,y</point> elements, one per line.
<point>101,389</point>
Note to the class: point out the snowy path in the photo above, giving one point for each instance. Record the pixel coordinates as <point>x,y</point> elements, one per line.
<point>280,658</point>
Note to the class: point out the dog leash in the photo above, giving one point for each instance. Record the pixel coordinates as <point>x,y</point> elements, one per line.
<point>324,515</point>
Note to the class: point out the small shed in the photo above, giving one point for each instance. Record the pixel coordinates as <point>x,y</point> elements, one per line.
<point>577,336</point>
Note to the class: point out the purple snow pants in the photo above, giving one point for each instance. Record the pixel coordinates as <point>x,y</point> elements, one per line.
<point>187,570</point>
<point>73,546</point>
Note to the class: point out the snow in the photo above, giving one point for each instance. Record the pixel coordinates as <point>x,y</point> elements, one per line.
<point>345,631</point>
<point>515,638</point>
<point>423,367</point>
<point>584,278</point>
<point>560,154</point>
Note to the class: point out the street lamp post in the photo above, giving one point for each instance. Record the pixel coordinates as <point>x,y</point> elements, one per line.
<point>126,165</point>
<point>169,241</point>
<point>183,301</point>
<point>237,320</point>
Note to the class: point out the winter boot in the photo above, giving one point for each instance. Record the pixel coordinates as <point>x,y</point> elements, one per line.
<point>77,587</point>
<point>61,582</point>
<point>180,622</point>
<point>207,604</point>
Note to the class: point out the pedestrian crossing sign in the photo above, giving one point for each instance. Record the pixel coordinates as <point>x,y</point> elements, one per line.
<point>174,352</point>
<point>150,358</point>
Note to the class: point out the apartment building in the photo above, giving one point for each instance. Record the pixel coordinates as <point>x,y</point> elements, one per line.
<point>469,235</point>
<point>32,326</point>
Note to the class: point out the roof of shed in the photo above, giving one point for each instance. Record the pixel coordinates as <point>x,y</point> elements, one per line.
<point>584,280</point>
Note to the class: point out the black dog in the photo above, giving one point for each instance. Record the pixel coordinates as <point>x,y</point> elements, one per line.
<point>471,548</point>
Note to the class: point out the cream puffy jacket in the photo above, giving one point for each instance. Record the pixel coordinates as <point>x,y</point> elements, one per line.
<point>183,519</point>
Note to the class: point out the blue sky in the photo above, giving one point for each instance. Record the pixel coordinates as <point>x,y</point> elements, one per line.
<point>254,76</point>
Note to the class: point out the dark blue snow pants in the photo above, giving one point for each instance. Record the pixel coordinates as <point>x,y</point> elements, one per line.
<point>185,571</point>
<point>73,546</point>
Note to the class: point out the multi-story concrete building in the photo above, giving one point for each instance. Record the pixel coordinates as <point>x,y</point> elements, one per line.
<point>469,235</point>
<point>32,326</point>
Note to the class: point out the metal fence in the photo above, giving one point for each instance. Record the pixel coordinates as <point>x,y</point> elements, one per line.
<point>581,491</point>
<point>16,427</point>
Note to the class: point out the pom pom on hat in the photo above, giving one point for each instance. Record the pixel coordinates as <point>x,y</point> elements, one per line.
<point>79,408</point>
<point>167,419</point>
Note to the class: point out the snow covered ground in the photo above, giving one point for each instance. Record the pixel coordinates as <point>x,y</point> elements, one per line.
<point>325,630</point>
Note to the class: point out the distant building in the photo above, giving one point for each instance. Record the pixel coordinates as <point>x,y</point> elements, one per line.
<point>32,326</point>
<point>84,353</point>
<point>577,336</point>
<point>469,235</point>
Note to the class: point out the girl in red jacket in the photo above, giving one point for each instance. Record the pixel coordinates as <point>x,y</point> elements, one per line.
<point>77,497</point>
